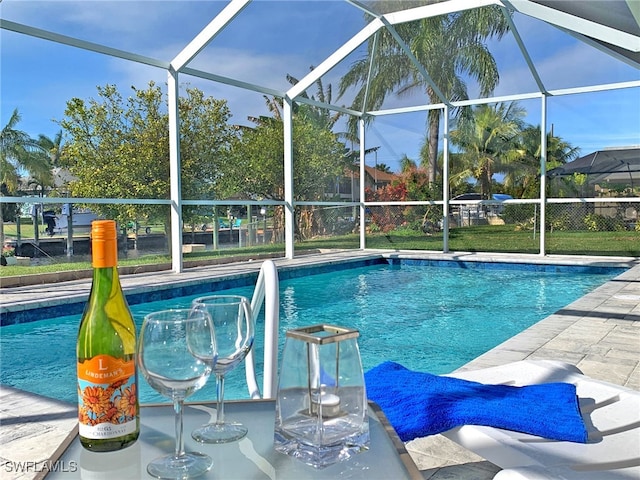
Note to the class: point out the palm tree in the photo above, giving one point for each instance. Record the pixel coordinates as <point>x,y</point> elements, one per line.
<point>406,164</point>
<point>18,152</point>
<point>488,142</point>
<point>52,146</point>
<point>15,146</point>
<point>524,180</point>
<point>321,117</point>
<point>315,138</point>
<point>448,47</point>
<point>383,167</point>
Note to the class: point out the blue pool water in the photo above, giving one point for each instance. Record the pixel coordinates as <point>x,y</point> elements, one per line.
<point>428,318</point>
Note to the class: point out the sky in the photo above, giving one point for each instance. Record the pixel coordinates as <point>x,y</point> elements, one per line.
<point>270,39</point>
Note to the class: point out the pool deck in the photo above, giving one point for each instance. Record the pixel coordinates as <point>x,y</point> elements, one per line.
<point>599,333</point>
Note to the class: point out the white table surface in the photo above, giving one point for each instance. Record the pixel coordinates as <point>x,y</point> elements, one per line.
<point>253,457</point>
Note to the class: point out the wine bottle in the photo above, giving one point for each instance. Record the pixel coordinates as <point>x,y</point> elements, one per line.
<point>108,408</point>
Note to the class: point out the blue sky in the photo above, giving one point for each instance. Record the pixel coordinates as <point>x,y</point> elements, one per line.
<point>270,39</point>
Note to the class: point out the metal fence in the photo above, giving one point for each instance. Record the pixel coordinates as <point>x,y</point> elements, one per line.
<point>571,226</point>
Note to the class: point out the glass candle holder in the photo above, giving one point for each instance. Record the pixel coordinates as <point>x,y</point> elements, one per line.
<point>321,404</point>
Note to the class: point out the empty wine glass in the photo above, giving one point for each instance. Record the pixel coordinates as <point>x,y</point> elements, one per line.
<point>176,355</point>
<point>234,331</point>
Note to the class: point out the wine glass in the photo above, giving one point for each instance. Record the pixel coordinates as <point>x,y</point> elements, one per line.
<point>176,355</point>
<point>234,330</point>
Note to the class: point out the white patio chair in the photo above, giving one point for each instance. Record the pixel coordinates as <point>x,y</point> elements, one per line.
<point>611,413</point>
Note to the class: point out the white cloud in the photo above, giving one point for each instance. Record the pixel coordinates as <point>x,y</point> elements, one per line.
<point>235,64</point>
<point>253,53</point>
<point>135,26</point>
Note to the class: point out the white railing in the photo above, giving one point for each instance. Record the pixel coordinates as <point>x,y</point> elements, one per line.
<point>267,291</point>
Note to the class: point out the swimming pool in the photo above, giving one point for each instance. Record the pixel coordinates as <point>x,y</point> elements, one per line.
<point>414,312</point>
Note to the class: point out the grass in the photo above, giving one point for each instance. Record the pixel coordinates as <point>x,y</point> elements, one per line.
<point>484,238</point>
<point>26,230</point>
<point>595,243</point>
<point>504,238</point>
<point>61,264</point>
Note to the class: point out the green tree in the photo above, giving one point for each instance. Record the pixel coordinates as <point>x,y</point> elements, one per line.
<point>50,151</point>
<point>206,143</point>
<point>40,181</point>
<point>20,155</point>
<point>407,164</point>
<point>318,158</point>
<point>488,142</point>
<point>120,149</point>
<point>383,167</point>
<point>449,47</point>
<point>522,180</point>
<point>9,210</point>
<point>52,146</point>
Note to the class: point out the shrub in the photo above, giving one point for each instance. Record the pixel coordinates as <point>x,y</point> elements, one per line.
<point>599,223</point>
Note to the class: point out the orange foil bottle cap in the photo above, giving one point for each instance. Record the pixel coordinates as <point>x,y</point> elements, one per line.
<point>104,243</point>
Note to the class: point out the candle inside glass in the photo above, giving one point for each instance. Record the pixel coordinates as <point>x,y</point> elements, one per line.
<point>327,403</point>
<point>321,408</point>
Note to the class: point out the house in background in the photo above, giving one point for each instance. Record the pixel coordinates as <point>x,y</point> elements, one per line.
<point>347,187</point>
<point>610,172</point>
<point>606,169</point>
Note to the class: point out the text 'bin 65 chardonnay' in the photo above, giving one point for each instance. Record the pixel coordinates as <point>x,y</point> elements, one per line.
<point>108,409</point>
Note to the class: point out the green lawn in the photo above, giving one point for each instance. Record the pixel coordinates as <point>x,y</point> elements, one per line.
<point>494,238</point>
<point>26,230</point>
<point>504,238</point>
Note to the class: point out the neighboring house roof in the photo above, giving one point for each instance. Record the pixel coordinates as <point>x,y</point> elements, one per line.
<point>617,164</point>
<point>374,174</point>
<point>379,175</point>
<point>62,177</point>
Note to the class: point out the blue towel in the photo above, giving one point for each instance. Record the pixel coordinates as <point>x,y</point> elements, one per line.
<point>419,404</point>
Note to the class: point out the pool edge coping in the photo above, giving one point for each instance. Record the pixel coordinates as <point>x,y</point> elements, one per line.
<point>244,272</point>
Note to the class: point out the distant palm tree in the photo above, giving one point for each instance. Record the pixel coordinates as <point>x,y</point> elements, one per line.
<point>18,153</point>
<point>318,116</point>
<point>52,146</point>
<point>274,105</point>
<point>406,164</point>
<point>524,178</point>
<point>488,142</point>
<point>449,47</point>
<point>321,117</point>
<point>45,159</point>
<point>383,167</point>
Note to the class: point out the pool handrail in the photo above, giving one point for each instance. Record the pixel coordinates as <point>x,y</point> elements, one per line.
<point>267,291</point>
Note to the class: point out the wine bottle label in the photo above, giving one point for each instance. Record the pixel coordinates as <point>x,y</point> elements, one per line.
<point>107,397</point>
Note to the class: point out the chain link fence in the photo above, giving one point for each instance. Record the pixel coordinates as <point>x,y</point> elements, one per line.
<point>572,227</point>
